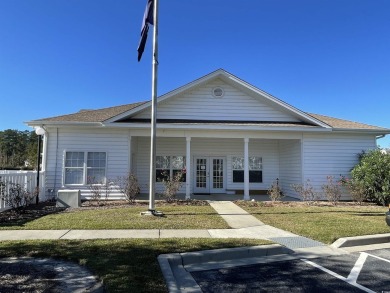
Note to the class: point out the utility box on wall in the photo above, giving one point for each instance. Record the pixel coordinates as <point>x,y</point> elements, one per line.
<point>68,198</point>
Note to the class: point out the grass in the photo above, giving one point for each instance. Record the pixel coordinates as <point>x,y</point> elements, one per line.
<point>123,265</point>
<point>324,223</point>
<point>176,217</point>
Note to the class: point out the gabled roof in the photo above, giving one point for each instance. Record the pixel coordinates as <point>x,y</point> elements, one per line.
<point>112,115</point>
<point>234,81</point>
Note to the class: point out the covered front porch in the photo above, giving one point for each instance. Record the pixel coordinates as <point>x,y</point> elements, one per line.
<point>221,167</point>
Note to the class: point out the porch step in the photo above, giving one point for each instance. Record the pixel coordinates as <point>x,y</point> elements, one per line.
<point>251,192</point>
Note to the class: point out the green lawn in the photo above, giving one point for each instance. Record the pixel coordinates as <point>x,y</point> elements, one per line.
<point>123,265</point>
<point>176,217</point>
<point>324,223</point>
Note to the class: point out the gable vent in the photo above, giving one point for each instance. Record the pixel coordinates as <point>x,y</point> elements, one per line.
<point>218,92</point>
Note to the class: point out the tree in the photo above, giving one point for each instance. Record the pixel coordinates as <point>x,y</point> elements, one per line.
<point>16,147</point>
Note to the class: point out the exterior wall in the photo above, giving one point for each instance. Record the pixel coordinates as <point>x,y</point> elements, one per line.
<point>230,107</point>
<point>290,165</point>
<point>114,142</point>
<point>332,155</point>
<point>228,148</point>
<point>291,160</point>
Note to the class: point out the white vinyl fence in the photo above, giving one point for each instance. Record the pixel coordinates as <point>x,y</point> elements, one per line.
<point>26,179</point>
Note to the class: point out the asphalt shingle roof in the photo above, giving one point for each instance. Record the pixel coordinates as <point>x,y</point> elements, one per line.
<point>101,115</point>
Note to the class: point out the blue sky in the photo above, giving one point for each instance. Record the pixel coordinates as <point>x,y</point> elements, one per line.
<point>328,57</point>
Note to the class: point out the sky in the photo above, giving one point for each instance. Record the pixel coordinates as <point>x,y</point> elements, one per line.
<point>329,57</point>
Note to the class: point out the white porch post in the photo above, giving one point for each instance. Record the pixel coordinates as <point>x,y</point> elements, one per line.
<point>130,154</point>
<point>246,169</point>
<point>188,168</point>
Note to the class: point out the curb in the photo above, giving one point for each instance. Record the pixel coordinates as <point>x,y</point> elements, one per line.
<point>179,279</point>
<point>361,240</point>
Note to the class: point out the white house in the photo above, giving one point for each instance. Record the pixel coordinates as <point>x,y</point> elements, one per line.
<point>229,136</point>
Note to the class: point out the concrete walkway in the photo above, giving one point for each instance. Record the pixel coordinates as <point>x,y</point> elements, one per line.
<point>247,226</point>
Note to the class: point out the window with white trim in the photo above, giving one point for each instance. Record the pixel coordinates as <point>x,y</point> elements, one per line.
<point>82,168</point>
<point>168,166</point>
<point>255,169</point>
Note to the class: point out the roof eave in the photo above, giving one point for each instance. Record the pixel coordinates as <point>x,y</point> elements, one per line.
<point>360,130</point>
<point>218,127</point>
<point>61,123</point>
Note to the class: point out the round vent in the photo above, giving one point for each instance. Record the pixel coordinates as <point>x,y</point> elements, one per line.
<point>218,92</point>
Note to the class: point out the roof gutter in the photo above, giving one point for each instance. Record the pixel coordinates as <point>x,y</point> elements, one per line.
<point>64,123</point>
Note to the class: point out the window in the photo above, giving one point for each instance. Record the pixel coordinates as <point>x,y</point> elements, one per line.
<point>168,166</point>
<point>84,168</point>
<point>163,168</point>
<point>96,168</point>
<point>74,167</point>
<point>255,169</point>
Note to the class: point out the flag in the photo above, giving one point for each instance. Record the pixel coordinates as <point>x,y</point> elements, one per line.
<point>148,19</point>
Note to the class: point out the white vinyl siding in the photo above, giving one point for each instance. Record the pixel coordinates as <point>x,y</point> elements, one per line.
<point>332,155</point>
<point>114,143</point>
<point>290,165</point>
<point>234,105</point>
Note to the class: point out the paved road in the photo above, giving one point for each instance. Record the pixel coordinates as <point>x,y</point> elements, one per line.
<point>367,271</point>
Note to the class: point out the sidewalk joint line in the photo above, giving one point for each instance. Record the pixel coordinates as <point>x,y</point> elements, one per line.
<point>65,233</point>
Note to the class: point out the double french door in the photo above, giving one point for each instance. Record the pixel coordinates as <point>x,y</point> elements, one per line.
<point>210,175</point>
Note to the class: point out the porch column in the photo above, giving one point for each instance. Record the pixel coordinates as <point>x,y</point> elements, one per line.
<point>188,168</point>
<point>130,155</point>
<point>246,169</point>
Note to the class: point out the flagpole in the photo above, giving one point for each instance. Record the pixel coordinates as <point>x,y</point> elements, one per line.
<point>153,121</point>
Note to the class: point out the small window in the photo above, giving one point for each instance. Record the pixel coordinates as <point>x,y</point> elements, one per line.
<point>255,169</point>
<point>168,166</point>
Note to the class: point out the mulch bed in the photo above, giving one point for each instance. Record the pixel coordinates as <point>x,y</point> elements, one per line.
<point>29,213</point>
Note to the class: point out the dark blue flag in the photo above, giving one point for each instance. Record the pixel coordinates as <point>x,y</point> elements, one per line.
<point>148,19</point>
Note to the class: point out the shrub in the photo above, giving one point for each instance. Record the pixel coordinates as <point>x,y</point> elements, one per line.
<point>355,189</point>
<point>332,190</point>
<point>17,196</point>
<point>306,191</point>
<point>274,192</point>
<point>95,188</point>
<point>373,174</point>
<point>172,186</point>
<point>129,186</point>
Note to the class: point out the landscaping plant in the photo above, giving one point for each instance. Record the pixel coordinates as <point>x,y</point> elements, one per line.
<point>332,190</point>
<point>16,196</point>
<point>274,192</point>
<point>172,186</point>
<point>306,191</point>
<point>373,175</point>
<point>129,186</point>
<point>355,189</point>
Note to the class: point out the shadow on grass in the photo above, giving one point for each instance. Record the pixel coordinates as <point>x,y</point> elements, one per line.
<point>21,216</point>
<point>352,213</point>
<point>123,265</point>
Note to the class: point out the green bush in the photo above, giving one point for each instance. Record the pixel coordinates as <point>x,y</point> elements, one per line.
<point>373,173</point>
